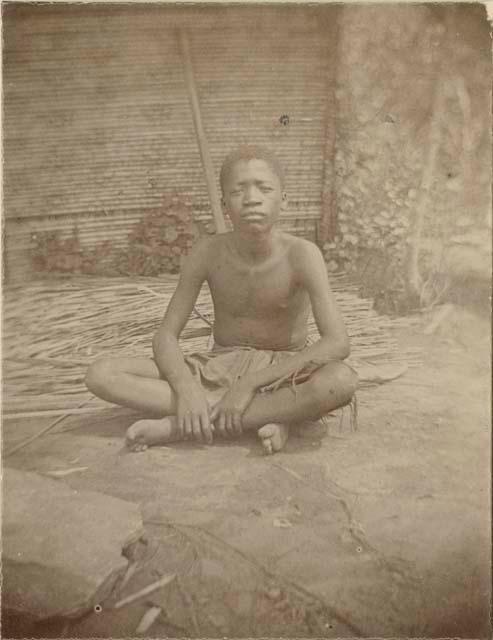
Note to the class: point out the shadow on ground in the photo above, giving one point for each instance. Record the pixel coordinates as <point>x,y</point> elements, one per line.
<point>379,532</point>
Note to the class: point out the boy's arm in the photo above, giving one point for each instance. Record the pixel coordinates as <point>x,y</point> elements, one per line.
<point>192,408</point>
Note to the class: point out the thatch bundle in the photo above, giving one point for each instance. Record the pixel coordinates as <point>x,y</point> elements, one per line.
<point>52,330</point>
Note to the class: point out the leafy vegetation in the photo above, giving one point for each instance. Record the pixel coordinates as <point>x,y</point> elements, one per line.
<point>156,244</point>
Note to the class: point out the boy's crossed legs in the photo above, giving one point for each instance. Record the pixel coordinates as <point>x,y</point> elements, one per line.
<point>136,383</point>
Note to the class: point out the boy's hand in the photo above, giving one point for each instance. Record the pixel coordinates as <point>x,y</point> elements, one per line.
<point>192,413</point>
<point>228,412</point>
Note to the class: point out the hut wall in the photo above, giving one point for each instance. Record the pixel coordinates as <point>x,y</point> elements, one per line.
<point>97,122</point>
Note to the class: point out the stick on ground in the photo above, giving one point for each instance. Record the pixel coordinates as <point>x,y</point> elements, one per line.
<point>37,435</point>
<point>154,586</point>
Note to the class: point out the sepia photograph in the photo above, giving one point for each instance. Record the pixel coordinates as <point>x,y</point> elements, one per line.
<point>246,320</point>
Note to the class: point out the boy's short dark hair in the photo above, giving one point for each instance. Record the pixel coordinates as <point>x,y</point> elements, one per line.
<point>251,152</point>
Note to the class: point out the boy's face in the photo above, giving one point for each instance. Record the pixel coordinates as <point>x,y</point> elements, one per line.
<point>252,196</point>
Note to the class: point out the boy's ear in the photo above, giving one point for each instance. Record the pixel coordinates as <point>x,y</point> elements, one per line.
<point>284,201</point>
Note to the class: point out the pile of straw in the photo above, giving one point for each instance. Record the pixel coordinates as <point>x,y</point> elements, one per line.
<point>53,330</point>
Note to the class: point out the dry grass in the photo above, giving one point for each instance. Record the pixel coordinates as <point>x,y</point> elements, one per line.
<point>52,330</point>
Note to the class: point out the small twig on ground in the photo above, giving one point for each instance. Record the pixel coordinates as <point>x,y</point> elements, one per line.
<point>162,582</point>
<point>202,317</point>
<point>142,287</point>
<point>47,413</point>
<point>131,569</point>
<point>303,481</point>
<point>61,473</point>
<point>341,419</point>
<point>43,431</point>
<point>354,413</point>
<point>148,619</point>
<point>287,470</point>
<point>56,362</point>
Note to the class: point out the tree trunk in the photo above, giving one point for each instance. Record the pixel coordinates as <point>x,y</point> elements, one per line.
<point>414,278</point>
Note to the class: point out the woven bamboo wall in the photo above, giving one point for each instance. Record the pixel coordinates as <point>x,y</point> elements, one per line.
<point>97,123</point>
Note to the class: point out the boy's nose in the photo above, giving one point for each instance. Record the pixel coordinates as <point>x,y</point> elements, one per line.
<point>252,196</point>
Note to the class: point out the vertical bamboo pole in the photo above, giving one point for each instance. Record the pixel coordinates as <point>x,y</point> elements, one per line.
<point>327,223</point>
<point>199,130</point>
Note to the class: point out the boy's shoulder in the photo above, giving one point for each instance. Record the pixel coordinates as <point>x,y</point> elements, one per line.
<point>296,247</point>
<point>206,251</point>
<point>206,245</point>
<point>300,247</point>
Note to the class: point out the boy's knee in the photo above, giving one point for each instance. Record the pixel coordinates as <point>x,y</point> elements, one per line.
<point>336,381</point>
<point>99,375</point>
<point>346,378</point>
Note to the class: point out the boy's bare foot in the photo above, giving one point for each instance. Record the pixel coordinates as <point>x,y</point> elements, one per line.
<point>273,436</point>
<point>148,433</point>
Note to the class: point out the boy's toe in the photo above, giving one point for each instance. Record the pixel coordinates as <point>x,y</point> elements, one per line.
<point>265,434</point>
<point>135,439</point>
<point>273,437</point>
<point>267,445</point>
<point>267,431</point>
<point>136,446</point>
<point>131,433</point>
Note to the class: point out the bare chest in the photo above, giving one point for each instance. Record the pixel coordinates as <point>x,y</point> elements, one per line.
<point>250,292</point>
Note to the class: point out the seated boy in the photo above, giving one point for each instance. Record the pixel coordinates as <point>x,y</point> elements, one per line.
<point>260,374</point>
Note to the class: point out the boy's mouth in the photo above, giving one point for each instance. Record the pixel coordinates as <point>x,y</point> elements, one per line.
<point>253,215</point>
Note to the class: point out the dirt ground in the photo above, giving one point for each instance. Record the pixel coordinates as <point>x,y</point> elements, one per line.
<point>383,531</point>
